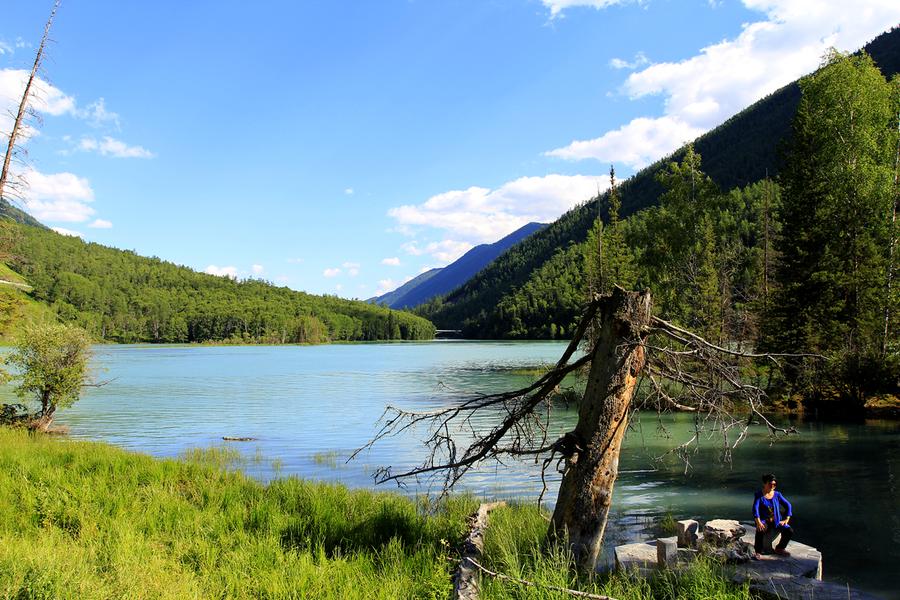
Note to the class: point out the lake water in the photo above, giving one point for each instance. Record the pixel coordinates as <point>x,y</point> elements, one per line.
<point>310,406</point>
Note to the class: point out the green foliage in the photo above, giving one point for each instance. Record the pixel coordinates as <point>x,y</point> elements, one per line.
<point>839,192</point>
<point>608,260</point>
<point>738,154</point>
<point>121,297</point>
<point>50,362</point>
<point>87,520</point>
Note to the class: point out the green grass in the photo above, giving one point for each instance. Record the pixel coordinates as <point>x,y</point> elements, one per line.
<point>8,274</point>
<point>515,545</point>
<point>668,526</point>
<point>87,520</point>
<point>18,308</point>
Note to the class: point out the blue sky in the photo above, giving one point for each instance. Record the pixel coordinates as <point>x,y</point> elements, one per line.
<point>343,147</point>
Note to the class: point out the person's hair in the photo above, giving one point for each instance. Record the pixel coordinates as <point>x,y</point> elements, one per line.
<point>767,478</point>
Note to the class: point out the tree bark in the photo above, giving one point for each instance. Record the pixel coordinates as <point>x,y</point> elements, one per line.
<point>585,493</point>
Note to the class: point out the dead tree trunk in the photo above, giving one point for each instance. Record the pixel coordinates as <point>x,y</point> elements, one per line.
<point>23,104</point>
<point>585,493</point>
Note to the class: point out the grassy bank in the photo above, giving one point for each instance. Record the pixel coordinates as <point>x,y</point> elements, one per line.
<point>85,520</point>
<point>88,520</point>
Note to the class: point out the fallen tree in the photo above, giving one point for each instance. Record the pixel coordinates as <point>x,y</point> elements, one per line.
<point>628,345</point>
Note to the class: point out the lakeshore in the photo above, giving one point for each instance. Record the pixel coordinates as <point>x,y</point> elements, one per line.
<point>310,406</point>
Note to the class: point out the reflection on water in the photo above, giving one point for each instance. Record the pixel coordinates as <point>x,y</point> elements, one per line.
<point>310,407</point>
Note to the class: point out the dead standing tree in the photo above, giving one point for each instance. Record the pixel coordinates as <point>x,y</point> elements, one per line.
<point>23,110</point>
<point>630,343</point>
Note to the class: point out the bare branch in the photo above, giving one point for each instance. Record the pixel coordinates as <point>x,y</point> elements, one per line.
<point>516,580</point>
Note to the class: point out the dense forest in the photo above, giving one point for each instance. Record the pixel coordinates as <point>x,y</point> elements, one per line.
<point>746,149</point>
<point>805,263</point>
<point>118,296</point>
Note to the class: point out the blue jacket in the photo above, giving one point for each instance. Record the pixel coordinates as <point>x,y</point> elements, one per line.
<point>760,502</point>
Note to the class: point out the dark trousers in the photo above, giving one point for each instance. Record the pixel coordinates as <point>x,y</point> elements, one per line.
<point>771,529</point>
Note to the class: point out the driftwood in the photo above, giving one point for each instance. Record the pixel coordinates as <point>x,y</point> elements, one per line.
<point>526,583</point>
<point>465,580</point>
<point>229,438</point>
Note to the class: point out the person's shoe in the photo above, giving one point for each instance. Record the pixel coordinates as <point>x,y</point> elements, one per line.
<point>782,552</point>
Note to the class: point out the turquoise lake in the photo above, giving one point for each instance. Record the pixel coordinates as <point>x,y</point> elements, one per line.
<point>310,406</point>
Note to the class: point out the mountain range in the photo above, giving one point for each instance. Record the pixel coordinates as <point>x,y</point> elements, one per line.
<point>437,282</point>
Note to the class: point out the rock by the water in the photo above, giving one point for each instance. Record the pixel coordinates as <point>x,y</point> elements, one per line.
<point>794,577</point>
<point>721,532</point>
<point>636,558</point>
<point>804,561</point>
<point>688,533</point>
<point>666,552</point>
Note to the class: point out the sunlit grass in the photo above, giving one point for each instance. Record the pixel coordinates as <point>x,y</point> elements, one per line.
<point>86,520</point>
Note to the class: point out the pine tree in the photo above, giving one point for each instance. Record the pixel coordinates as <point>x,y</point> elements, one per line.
<point>837,191</point>
<point>617,259</point>
<point>836,210</point>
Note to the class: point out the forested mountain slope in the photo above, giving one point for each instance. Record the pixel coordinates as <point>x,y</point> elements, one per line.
<point>740,151</point>
<point>9,211</point>
<point>122,297</point>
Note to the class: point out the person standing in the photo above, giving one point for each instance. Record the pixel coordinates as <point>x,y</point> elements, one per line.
<point>767,510</point>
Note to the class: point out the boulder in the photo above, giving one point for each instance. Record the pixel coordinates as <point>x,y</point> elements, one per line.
<point>688,533</point>
<point>722,532</point>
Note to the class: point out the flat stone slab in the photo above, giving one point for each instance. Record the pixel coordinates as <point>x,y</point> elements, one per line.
<point>804,561</point>
<point>637,558</point>
<point>802,588</point>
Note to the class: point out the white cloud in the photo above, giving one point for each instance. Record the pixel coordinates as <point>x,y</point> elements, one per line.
<point>5,48</point>
<point>57,197</point>
<point>385,286</point>
<point>97,115</point>
<point>338,287</point>
<point>282,279</point>
<point>481,215</point>
<point>331,272</point>
<point>257,269</point>
<point>391,262</point>
<point>109,146</point>
<point>352,268</point>
<point>349,191</point>
<point>445,251</point>
<point>100,224</point>
<point>68,232</point>
<point>45,98</point>
<point>636,144</point>
<point>702,91</point>
<point>230,271</point>
<point>640,59</point>
<point>557,6</point>
<point>295,261</point>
